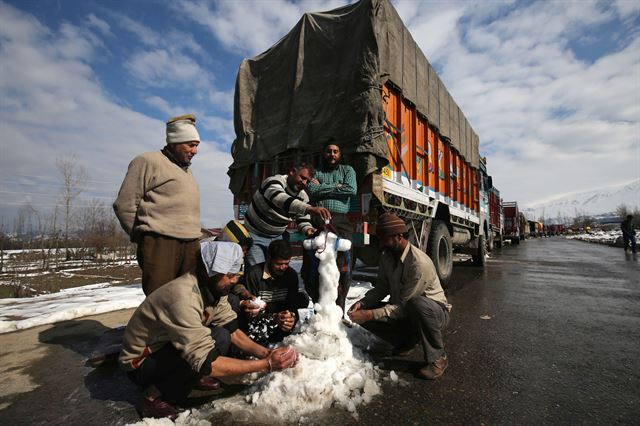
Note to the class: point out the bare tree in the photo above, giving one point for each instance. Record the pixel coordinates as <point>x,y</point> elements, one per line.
<point>3,237</point>
<point>74,177</point>
<point>622,211</point>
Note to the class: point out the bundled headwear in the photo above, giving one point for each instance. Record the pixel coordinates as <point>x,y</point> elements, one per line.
<point>390,224</point>
<point>221,257</point>
<point>182,129</point>
<point>235,232</point>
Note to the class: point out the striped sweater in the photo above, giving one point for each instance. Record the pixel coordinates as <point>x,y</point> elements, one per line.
<point>274,206</point>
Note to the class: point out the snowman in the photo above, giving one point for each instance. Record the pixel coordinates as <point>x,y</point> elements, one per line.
<point>326,246</point>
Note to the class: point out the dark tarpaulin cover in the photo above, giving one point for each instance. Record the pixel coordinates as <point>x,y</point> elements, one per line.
<point>322,82</point>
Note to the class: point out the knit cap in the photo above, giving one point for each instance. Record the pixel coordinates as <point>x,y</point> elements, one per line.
<point>182,129</point>
<point>235,232</point>
<point>390,224</point>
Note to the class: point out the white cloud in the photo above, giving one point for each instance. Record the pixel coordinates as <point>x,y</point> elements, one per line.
<point>224,100</point>
<point>145,34</point>
<point>627,8</point>
<point>162,67</point>
<point>52,106</point>
<point>98,23</point>
<point>249,27</point>
<point>550,122</point>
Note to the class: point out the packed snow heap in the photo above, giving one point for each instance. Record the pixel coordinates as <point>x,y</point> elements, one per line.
<point>330,370</point>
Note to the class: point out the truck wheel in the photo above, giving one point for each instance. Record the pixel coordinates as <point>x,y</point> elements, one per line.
<point>440,250</point>
<point>490,241</point>
<point>499,242</point>
<point>480,258</point>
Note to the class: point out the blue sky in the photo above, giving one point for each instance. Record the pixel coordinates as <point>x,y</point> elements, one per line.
<point>552,88</point>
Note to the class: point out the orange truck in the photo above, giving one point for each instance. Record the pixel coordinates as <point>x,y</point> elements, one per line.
<point>356,77</point>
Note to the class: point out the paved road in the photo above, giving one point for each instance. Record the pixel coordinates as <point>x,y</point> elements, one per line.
<point>561,347</point>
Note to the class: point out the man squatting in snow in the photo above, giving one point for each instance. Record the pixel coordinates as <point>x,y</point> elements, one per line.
<point>158,206</point>
<point>417,307</point>
<point>183,331</point>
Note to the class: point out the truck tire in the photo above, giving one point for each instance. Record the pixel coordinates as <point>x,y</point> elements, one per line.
<point>440,250</point>
<point>499,242</point>
<point>515,240</point>
<point>480,258</point>
<point>490,241</point>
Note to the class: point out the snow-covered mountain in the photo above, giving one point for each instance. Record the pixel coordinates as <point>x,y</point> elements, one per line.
<point>600,202</point>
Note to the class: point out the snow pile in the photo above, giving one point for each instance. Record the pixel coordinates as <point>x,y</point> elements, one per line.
<point>613,237</point>
<point>21,313</point>
<point>330,370</point>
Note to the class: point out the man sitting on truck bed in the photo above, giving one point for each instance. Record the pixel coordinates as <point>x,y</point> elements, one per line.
<point>417,305</point>
<point>333,187</point>
<point>280,200</point>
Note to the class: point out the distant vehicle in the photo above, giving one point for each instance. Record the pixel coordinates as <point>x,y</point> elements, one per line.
<point>556,229</point>
<point>362,81</point>
<point>536,229</point>
<point>511,221</point>
<point>491,213</point>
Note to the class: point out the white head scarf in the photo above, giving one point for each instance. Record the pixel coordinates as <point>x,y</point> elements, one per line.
<point>221,257</point>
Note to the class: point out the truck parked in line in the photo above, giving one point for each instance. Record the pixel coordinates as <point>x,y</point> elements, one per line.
<point>491,214</point>
<point>356,77</point>
<point>536,229</point>
<point>512,229</point>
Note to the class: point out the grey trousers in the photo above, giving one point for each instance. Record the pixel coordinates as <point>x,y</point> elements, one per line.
<point>424,320</point>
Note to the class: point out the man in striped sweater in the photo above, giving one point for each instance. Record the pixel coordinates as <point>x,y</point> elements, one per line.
<point>280,200</point>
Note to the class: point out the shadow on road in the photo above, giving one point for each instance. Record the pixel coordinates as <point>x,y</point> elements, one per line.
<point>82,336</point>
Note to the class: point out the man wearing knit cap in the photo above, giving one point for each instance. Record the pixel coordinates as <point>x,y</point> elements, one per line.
<point>159,206</point>
<point>183,332</point>
<point>417,307</point>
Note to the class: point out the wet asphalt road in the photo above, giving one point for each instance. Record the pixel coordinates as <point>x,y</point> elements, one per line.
<point>562,346</point>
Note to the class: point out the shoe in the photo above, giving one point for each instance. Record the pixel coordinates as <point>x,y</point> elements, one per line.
<point>404,350</point>
<point>435,369</point>
<point>207,383</point>
<point>157,409</point>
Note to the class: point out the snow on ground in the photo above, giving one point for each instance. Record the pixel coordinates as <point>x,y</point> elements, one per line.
<point>332,369</point>
<point>21,313</point>
<point>612,237</point>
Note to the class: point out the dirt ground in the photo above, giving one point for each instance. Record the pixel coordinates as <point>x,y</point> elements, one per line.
<point>32,284</point>
<point>29,365</point>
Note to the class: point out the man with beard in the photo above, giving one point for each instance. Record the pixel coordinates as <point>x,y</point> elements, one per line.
<point>333,188</point>
<point>280,200</point>
<point>184,329</point>
<point>417,307</point>
<point>158,206</point>
<point>270,316</point>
